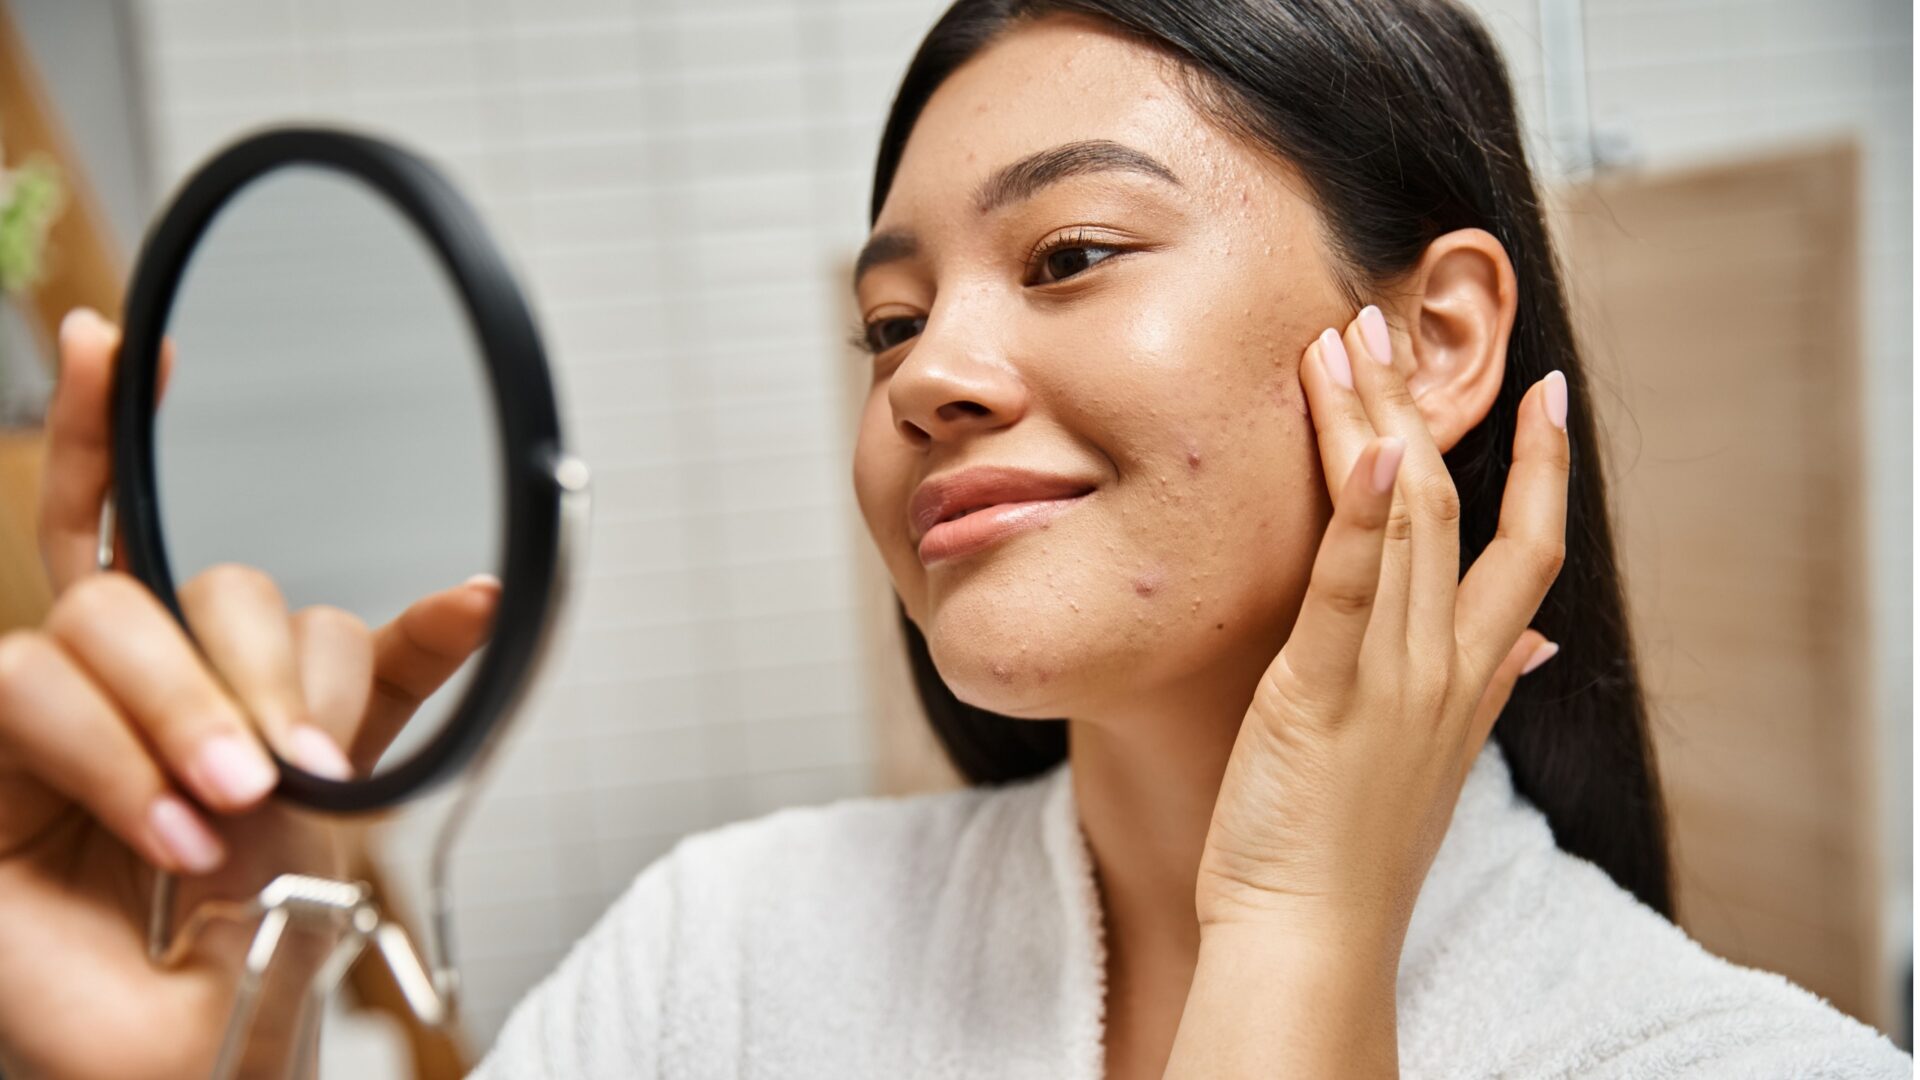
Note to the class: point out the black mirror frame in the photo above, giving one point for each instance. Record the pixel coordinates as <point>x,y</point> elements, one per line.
<point>523,400</point>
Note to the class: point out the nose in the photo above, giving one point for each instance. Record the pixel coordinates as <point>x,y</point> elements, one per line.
<point>949,388</point>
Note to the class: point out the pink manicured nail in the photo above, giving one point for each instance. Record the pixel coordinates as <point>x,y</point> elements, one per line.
<point>1373,331</point>
<point>1333,352</point>
<point>1387,465</point>
<point>315,751</point>
<point>183,834</point>
<point>1557,399</point>
<point>484,581</point>
<point>75,319</point>
<point>235,768</point>
<point>1541,655</point>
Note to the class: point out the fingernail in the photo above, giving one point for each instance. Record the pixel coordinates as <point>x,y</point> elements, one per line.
<point>1373,331</point>
<point>73,320</point>
<point>1333,353</point>
<point>1387,464</point>
<point>1541,655</point>
<point>235,768</point>
<point>183,834</point>
<point>315,751</point>
<point>485,581</point>
<point>1557,399</point>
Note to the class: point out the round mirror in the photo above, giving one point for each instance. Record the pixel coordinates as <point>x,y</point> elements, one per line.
<point>325,420</point>
<point>329,379</point>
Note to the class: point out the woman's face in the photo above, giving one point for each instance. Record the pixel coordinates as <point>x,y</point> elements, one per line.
<point>1090,304</point>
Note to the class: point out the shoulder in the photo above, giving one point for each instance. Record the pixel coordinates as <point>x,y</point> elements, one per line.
<point>1546,967</point>
<point>873,846</point>
<point>784,926</point>
<point>840,883</point>
<point>1680,1010</point>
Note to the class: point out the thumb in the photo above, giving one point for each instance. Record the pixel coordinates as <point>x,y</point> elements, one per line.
<point>1528,653</point>
<point>418,651</point>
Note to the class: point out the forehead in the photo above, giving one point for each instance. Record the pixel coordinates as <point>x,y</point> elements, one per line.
<point>1057,80</point>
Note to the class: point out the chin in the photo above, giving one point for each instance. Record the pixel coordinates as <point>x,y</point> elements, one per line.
<point>1010,653</point>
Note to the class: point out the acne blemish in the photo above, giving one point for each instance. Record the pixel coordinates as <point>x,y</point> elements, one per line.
<point>1193,458</point>
<point>1148,583</point>
<point>1002,672</point>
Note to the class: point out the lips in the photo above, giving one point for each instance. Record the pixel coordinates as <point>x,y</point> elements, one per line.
<point>969,510</point>
<point>956,495</point>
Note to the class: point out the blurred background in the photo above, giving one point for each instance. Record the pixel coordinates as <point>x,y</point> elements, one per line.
<point>682,187</point>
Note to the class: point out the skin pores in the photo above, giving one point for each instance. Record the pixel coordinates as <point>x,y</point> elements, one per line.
<point>1164,373</point>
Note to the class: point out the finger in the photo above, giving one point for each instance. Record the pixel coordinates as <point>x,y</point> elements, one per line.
<point>65,731</point>
<point>129,644</point>
<point>417,652</point>
<point>1507,583</point>
<point>79,462</point>
<point>161,378</point>
<point>1324,647</point>
<point>1341,427</point>
<point>334,650</point>
<point>1423,568</point>
<point>1525,655</point>
<point>241,623</point>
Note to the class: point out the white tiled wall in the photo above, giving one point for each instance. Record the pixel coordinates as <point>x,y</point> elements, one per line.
<point>681,183</point>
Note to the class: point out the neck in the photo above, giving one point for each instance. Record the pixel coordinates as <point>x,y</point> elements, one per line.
<point>1144,780</point>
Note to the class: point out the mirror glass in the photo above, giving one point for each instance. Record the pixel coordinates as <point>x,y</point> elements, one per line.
<point>325,418</point>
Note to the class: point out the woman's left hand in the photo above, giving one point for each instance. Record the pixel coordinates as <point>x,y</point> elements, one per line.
<point>1347,767</point>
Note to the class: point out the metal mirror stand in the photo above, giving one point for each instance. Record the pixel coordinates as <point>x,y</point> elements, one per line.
<point>431,988</point>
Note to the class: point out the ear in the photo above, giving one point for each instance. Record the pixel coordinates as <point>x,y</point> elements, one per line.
<point>1456,309</point>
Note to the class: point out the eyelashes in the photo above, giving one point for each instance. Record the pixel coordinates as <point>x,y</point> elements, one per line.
<point>1056,259</point>
<point>880,335</point>
<point>1048,256</point>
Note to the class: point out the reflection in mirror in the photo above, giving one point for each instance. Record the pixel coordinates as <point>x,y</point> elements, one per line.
<point>327,421</point>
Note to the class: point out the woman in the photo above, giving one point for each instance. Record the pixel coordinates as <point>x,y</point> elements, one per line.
<point>1173,310</point>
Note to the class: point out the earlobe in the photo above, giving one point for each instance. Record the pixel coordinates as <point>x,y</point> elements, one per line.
<point>1459,314</point>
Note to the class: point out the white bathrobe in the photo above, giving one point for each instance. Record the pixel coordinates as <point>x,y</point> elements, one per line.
<point>958,935</point>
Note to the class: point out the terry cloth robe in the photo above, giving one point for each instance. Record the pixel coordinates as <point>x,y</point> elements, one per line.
<point>958,935</point>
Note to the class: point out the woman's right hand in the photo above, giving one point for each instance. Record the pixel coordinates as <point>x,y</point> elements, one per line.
<point>127,746</point>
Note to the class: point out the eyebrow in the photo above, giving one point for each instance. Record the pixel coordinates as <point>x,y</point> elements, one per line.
<point>1022,180</point>
<point>886,247</point>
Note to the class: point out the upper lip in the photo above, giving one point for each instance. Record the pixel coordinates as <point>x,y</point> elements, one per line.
<point>940,498</point>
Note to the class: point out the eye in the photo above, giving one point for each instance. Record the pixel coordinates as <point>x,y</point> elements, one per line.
<point>1062,259</point>
<point>882,334</point>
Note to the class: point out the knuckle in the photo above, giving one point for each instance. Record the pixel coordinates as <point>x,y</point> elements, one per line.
<point>1440,498</point>
<point>1433,682</point>
<point>22,652</point>
<point>1282,693</point>
<point>1396,392</point>
<point>1347,597</point>
<point>1548,557</point>
<point>1399,522</point>
<point>92,600</point>
<point>232,579</point>
<point>334,621</point>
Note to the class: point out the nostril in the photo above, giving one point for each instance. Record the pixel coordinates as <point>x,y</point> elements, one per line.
<point>960,410</point>
<point>915,433</point>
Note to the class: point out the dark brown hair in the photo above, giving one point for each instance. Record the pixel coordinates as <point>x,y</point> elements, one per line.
<point>1400,117</point>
